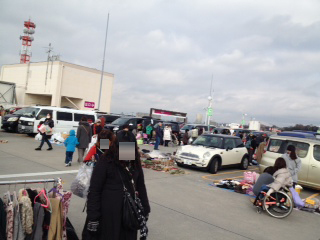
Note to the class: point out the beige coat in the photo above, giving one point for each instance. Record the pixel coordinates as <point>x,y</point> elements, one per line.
<point>260,152</point>
<point>282,178</point>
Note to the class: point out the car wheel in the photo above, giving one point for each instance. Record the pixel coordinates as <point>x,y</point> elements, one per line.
<point>214,166</point>
<point>244,163</point>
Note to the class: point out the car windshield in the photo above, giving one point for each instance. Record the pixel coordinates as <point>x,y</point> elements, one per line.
<point>209,141</point>
<point>28,112</point>
<point>185,127</point>
<point>120,121</point>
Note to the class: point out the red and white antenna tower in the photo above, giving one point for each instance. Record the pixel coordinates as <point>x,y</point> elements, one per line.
<point>27,39</point>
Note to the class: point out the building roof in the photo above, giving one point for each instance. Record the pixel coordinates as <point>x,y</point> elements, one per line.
<point>64,63</point>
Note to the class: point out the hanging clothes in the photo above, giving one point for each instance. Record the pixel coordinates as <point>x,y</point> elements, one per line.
<point>9,210</point>
<point>3,221</point>
<point>26,212</point>
<point>66,199</point>
<point>38,217</point>
<point>18,233</point>
<point>55,230</point>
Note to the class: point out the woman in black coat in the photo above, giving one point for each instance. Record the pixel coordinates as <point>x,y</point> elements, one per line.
<point>106,195</point>
<point>48,122</point>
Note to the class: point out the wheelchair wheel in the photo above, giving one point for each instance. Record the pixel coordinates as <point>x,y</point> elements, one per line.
<point>279,205</point>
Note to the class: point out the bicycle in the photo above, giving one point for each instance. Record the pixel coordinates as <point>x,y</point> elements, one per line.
<point>278,205</point>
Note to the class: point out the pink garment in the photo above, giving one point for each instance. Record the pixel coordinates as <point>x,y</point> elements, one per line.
<point>9,210</point>
<point>66,199</point>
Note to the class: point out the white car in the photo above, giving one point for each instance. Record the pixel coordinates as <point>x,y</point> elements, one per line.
<point>213,151</point>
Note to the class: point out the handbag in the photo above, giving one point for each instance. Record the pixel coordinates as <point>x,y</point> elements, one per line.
<point>132,212</point>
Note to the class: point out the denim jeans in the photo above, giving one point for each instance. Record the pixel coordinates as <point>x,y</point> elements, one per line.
<point>156,145</point>
<point>69,156</point>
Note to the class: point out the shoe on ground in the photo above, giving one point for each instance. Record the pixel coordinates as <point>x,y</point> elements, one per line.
<point>250,164</point>
<point>38,149</point>
<point>67,165</point>
<point>49,149</point>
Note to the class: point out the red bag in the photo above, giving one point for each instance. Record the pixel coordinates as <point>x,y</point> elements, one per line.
<point>91,152</point>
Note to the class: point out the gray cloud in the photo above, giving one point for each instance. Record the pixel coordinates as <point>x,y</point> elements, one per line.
<point>264,56</point>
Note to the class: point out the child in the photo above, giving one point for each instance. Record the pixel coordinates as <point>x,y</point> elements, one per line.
<point>71,142</point>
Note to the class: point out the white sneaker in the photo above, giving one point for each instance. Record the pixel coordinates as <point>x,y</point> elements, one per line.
<point>67,165</point>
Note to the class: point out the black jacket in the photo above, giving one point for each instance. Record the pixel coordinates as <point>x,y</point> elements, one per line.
<point>105,199</point>
<point>49,122</point>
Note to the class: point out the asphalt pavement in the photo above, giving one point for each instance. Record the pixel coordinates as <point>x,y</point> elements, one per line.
<point>182,207</point>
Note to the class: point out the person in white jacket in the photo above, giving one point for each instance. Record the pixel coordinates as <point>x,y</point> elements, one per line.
<point>282,176</point>
<point>293,163</point>
<point>167,135</point>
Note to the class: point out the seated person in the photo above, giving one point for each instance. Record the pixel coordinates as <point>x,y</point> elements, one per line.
<point>264,179</point>
<point>282,177</point>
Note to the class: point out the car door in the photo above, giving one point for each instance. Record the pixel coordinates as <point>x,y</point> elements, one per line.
<point>314,168</point>
<point>240,149</point>
<point>64,121</point>
<point>230,152</point>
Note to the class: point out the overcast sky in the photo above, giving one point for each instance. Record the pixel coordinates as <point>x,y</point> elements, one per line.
<point>264,56</point>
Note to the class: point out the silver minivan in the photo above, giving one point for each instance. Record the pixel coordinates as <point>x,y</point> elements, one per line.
<point>308,150</point>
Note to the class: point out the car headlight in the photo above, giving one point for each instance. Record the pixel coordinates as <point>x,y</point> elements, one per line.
<point>12,119</point>
<point>30,123</point>
<point>206,155</point>
<point>116,128</point>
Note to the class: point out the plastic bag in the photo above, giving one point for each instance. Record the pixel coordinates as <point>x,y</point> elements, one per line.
<point>38,137</point>
<point>81,183</point>
<point>296,198</point>
<point>250,177</point>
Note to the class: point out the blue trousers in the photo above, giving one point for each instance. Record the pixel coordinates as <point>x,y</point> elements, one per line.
<point>156,145</point>
<point>69,156</point>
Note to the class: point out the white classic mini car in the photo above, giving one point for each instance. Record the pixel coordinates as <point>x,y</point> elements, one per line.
<point>213,151</point>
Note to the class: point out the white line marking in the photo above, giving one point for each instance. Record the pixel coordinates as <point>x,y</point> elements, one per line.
<point>38,174</point>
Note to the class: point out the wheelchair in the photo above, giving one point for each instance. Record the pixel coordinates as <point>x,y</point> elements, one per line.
<point>278,205</point>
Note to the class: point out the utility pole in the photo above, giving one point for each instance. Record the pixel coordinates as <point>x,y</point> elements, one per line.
<point>209,112</point>
<point>104,55</point>
<point>49,51</point>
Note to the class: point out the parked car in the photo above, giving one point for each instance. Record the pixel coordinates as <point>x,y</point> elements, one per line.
<point>10,121</point>
<point>109,118</point>
<point>297,134</point>
<point>225,131</point>
<point>212,152</point>
<point>193,126</point>
<point>64,119</point>
<point>308,150</point>
<point>118,124</point>
<point>317,135</point>
<point>240,130</point>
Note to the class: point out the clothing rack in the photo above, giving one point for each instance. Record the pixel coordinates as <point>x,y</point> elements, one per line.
<point>54,180</point>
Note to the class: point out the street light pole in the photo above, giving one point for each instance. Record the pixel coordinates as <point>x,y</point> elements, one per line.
<point>104,55</point>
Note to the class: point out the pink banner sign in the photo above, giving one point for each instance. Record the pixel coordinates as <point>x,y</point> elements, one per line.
<point>89,104</point>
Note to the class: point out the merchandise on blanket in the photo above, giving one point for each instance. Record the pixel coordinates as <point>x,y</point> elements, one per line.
<point>145,151</point>
<point>3,141</point>
<point>228,184</point>
<point>157,155</point>
<point>250,177</point>
<point>138,136</point>
<point>140,141</point>
<point>56,138</point>
<point>176,171</point>
<point>249,191</point>
<point>313,203</point>
<point>81,183</point>
<point>65,135</point>
<point>239,189</point>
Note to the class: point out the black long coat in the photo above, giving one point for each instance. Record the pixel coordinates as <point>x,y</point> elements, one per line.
<point>105,199</point>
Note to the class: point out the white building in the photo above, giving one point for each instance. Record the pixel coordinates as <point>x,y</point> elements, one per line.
<point>255,125</point>
<point>59,84</point>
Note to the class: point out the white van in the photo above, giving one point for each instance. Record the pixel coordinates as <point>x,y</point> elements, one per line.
<point>64,119</point>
